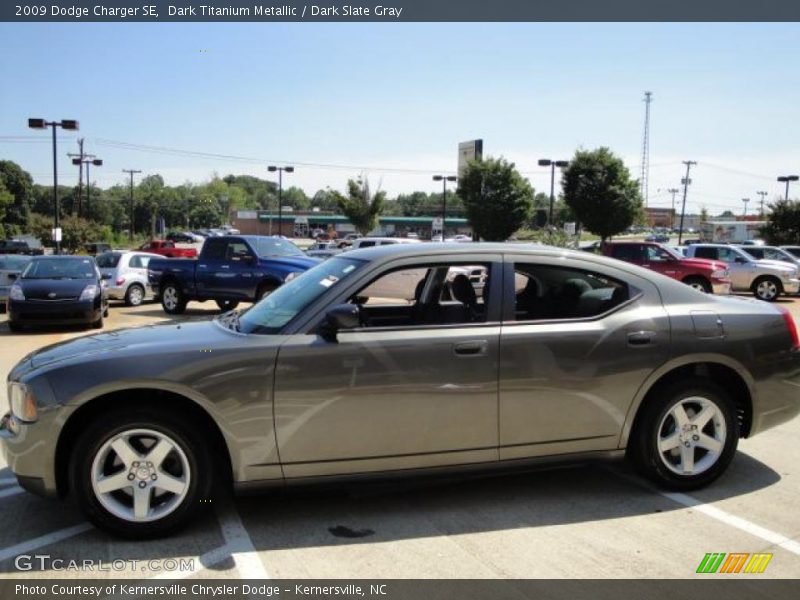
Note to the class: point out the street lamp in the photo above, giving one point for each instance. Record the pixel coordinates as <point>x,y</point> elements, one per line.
<point>444,179</point>
<point>280,171</point>
<point>745,200</point>
<point>89,159</point>
<point>69,125</point>
<point>131,172</point>
<point>546,162</point>
<point>787,179</point>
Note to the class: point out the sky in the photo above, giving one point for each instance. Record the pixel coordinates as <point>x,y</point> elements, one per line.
<point>392,101</point>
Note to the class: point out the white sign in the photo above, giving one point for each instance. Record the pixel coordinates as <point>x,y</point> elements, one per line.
<point>437,223</point>
<point>569,228</point>
<point>301,220</point>
<point>56,234</point>
<point>467,151</point>
<point>246,214</point>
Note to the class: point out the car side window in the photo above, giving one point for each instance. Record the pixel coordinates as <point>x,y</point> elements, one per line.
<point>656,254</point>
<point>705,252</point>
<point>135,262</point>
<point>237,251</point>
<point>544,292</point>
<point>438,294</point>
<point>627,252</point>
<point>214,249</point>
<point>728,255</point>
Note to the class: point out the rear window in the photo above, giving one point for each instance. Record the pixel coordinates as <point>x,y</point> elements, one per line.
<point>628,252</point>
<point>108,260</point>
<point>705,252</point>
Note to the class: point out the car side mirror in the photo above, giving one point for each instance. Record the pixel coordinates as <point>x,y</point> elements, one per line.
<point>340,317</point>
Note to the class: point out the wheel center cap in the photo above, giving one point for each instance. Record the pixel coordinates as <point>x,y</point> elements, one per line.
<point>143,473</point>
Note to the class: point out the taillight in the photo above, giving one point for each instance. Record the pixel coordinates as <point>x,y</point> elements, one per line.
<point>120,281</point>
<point>791,325</point>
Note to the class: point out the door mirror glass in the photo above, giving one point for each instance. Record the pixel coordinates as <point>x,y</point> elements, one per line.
<point>340,317</point>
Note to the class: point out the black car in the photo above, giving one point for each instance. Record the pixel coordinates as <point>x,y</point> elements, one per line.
<point>19,247</point>
<point>180,237</point>
<point>95,248</point>
<point>58,290</point>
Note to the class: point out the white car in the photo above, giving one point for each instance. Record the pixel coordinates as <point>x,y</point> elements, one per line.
<point>380,241</point>
<point>125,275</point>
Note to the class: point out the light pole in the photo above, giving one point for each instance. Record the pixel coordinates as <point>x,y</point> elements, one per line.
<point>131,171</point>
<point>280,171</point>
<point>69,125</point>
<point>444,179</point>
<point>546,162</point>
<point>88,159</point>
<point>97,163</point>
<point>745,200</point>
<point>673,191</point>
<point>686,181</point>
<point>786,179</point>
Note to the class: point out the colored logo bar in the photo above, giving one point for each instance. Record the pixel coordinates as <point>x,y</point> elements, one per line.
<point>735,562</point>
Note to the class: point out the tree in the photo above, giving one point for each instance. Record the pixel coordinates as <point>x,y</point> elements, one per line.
<point>703,214</point>
<point>19,184</point>
<point>361,206</point>
<point>598,188</point>
<point>784,223</point>
<point>497,199</point>
<point>6,200</point>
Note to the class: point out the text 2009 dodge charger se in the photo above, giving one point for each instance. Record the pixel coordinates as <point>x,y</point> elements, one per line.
<point>387,360</point>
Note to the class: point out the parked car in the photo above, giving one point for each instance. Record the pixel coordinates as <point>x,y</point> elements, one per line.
<point>125,274</point>
<point>348,240</point>
<point>168,249</point>
<point>95,248</point>
<point>20,247</point>
<point>230,270</point>
<point>183,237</point>
<point>366,242</point>
<point>661,238</point>
<point>317,382</point>
<point>324,250</point>
<point>58,290</point>
<point>709,276</point>
<point>793,250</point>
<point>11,265</point>
<point>767,280</point>
<point>762,252</point>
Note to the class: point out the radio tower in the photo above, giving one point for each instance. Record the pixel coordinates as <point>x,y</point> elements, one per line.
<point>643,181</point>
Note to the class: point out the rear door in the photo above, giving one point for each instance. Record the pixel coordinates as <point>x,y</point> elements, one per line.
<point>577,341</point>
<point>212,273</point>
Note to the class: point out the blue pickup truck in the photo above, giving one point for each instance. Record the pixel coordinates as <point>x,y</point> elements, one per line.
<point>229,270</point>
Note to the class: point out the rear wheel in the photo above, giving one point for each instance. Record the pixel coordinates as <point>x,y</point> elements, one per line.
<point>134,296</point>
<point>767,288</point>
<point>686,436</point>
<point>98,324</point>
<point>226,305</point>
<point>699,283</point>
<point>173,300</point>
<point>14,326</point>
<point>139,473</point>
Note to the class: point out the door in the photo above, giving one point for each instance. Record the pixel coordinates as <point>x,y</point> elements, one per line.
<point>742,269</point>
<point>415,386</point>
<point>225,270</point>
<point>577,342</point>
<point>659,260</point>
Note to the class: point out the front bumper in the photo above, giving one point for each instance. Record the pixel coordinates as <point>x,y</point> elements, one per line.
<point>791,286</point>
<point>54,312</point>
<point>29,450</point>
<point>721,287</point>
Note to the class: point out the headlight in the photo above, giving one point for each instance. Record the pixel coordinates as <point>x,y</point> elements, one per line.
<point>721,274</point>
<point>786,275</point>
<point>291,276</point>
<point>89,292</point>
<point>23,404</point>
<point>15,293</point>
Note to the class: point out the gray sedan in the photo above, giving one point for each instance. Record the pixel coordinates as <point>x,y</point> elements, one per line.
<point>387,361</point>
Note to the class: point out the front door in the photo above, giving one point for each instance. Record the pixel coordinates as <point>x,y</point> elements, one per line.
<point>415,386</point>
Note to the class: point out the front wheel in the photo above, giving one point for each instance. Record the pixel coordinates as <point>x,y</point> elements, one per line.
<point>767,288</point>
<point>226,305</point>
<point>140,473</point>
<point>135,295</point>
<point>686,436</point>
<point>699,283</point>
<point>172,299</point>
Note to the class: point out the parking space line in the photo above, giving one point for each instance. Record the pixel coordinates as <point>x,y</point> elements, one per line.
<point>212,557</point>
<point>720,515</point>
<point>12,491</point>
<point>43,540</point>
<point>238,542</point>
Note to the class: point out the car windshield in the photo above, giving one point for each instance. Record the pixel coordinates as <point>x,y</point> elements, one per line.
<point>62,268</point>
<point>282,305</point>
<point>109,260</point>
<point>13,263</point>
<point>274,246</point>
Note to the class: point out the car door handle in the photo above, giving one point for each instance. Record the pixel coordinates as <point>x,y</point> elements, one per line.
<point>641,338</point>
<point>472,348</point>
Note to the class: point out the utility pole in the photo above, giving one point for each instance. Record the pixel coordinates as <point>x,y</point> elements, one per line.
<point>648,98</point>
<point>131,172</point>
<point>745,200</point>
<point>686,181</point>
<point>78,160</point>
<point>761,211</point>
<point>673,191</point>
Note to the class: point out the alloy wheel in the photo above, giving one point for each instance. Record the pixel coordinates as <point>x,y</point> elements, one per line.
<point>170,298</point>
<point>691,436</point>
<point>767,289</point>
<point>135,295</point>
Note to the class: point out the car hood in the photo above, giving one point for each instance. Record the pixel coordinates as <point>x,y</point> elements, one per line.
<point>53,289</point>
<point>704,262</point>
<point>776,263</point>
<point>292,262</point>
<point>141,341</point>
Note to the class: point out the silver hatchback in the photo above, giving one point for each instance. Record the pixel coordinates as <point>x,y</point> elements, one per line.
<point>126,275</point>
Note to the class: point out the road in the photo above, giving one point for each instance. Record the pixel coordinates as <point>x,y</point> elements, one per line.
<point>589,520</point>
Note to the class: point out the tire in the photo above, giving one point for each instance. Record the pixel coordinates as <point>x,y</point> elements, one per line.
<point>265,289</point>
<point>657,429</point>
<point>173,300</point>
<point>117,446</point>
<point>767,288</point>
<point>699,283</point>
<point>226,305</point>
<point>98,324</point>
<point>14,326</point>
<point>134,295</point>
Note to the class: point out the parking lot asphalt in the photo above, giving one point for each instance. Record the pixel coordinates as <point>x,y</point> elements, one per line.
<point>587,520</point>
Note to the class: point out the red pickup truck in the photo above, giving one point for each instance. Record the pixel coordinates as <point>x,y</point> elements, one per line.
<point>702,274</point>
<point>168,249</point>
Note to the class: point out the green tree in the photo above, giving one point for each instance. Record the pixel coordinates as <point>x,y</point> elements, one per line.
<point>598,188</point>
<point>784,223</point>
<point>703,214</point>
<point>361,205</point>
<point>19,184</point>
<point>6,200</point>
<point>496,198</point>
